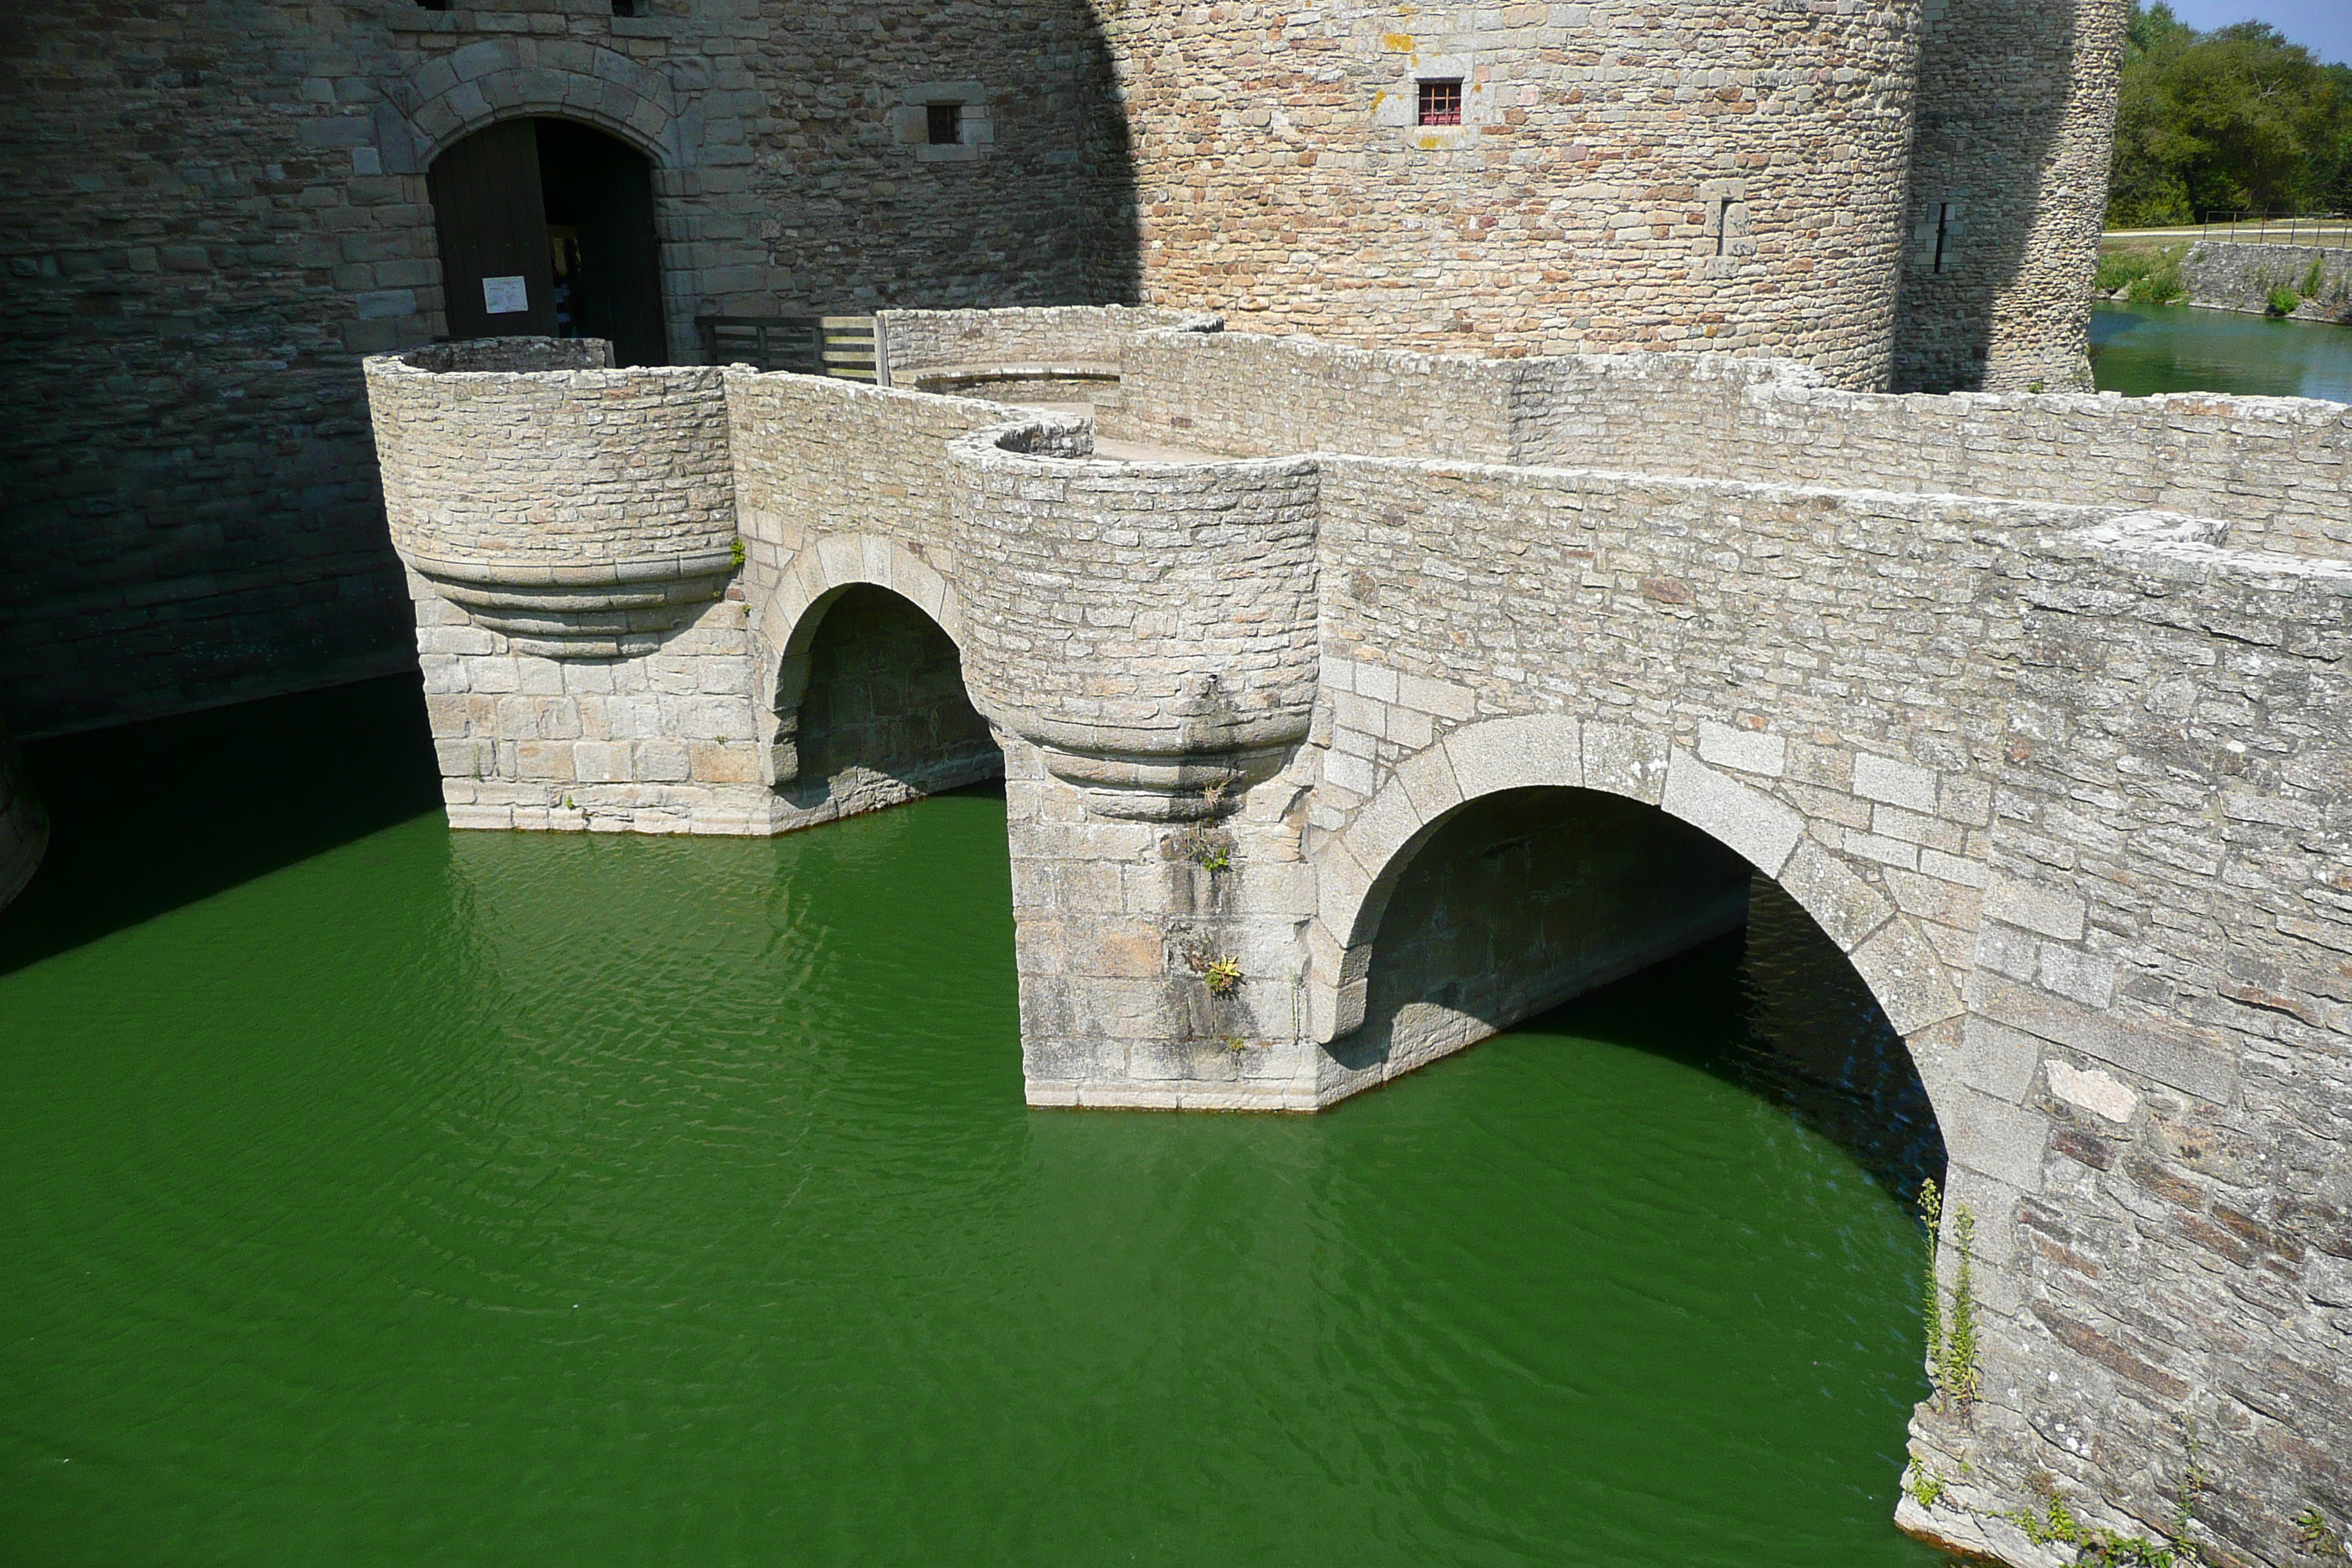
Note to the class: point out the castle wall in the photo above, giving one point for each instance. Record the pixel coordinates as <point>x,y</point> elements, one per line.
<point>2008,189</point>
<point>1717,174</point>
<point>213,212</point>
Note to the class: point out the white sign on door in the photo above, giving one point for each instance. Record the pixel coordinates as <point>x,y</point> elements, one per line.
<point>505,295</point>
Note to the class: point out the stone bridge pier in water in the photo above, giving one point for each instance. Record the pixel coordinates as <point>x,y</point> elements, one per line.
<point>1353,706</point>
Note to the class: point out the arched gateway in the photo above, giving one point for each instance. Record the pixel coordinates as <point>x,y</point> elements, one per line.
<point>546,229</point>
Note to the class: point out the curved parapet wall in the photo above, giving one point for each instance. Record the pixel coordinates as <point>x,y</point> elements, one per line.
<point>23,826</point>
<point>1150,625</point>
<point>583,512</point>
<point>1059,334</point>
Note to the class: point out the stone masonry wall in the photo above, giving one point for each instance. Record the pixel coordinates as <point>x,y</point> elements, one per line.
<point>1706,174</point>
<point>213,212</point>
<point>2232,276</point>
<point>2008,182</point>
<point>2003,738</point>
<point>2276,467</point>
<point>1064,335</point>
<point>499,472</point>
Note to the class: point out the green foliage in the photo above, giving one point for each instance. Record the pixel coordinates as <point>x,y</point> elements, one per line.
<point>1927,1488</point>
<point>1222,975</point>
<point>2312,1533</point>
<point>2146,275</point>
<point>2057,1526</point>
<point>2282,301</point>
<point>1931,1214</point>
<point>2234,119</point>
<point>2314,278</point>
<point>1959,1376</point>
<point>736,555</point>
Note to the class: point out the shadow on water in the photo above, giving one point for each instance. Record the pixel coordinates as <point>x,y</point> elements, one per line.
<point>147,817</point>
<point>1777,1010</point>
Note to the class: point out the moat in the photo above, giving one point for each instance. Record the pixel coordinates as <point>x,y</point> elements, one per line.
<point>2142,349</point>
<point>379,1193</point>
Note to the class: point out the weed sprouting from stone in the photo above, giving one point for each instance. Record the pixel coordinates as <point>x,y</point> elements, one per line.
<point>1960,1374</point>
<point>1222,975</point>
<point>1931,1211</point>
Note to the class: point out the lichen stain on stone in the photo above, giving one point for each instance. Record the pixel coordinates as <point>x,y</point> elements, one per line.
<point>1397,43</point>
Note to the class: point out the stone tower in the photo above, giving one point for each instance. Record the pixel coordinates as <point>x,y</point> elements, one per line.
<point>2009,186</point>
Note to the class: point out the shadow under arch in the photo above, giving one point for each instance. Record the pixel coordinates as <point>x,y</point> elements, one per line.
<point>1534,902</point>
<point>1487,883</point>
<point>870,707</point>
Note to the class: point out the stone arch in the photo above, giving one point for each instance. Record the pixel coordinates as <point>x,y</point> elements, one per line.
<point>824,568</point>
<point>449,98</point>
<point>1359,866</point>
<point>444,100</point>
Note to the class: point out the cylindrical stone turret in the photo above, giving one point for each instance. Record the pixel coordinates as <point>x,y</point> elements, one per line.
<point>2009,191</point>
<point>581,510</point>
<point>1150,627</point>
<point>1725,174</point>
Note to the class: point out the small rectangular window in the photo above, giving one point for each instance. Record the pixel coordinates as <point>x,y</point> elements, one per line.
<point>628,7</point>
<point>433,4</point>
<point>945,123</point>
<point>1943,232</point>
<point>1440,103</point>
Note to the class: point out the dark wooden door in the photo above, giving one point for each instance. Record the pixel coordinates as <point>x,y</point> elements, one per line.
<point>601,191</point>
<point>493,223</point>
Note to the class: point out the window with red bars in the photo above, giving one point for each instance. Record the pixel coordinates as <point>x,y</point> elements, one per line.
<point>1440,103</point>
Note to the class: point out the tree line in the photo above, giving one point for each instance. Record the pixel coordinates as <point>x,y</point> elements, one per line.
<point>2234,121</point>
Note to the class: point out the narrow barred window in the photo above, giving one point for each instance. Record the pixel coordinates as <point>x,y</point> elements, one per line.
<point>1440,103</point>
<point>943,123</point>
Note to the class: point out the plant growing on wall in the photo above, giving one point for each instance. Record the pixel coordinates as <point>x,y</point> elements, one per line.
<point>1951,1334</point>
<point>1222,975</point>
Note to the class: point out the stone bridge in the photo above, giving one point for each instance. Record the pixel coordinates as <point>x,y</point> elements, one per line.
<point>1352,706</point>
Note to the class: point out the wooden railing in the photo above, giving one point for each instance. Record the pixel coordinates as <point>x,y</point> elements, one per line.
<point>848,347</point>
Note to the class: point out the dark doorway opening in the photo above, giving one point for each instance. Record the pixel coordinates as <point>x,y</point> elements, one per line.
<point>547,230</point>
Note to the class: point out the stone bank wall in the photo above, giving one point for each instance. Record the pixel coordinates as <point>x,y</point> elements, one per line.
<point>2231,277</point>
<point>23,826</point>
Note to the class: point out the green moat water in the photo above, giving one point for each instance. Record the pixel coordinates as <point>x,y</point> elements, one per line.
<point>381,1195</point>
<point>2141,350</point>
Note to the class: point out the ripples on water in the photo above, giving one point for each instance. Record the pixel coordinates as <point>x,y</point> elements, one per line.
<point>528,1199</point>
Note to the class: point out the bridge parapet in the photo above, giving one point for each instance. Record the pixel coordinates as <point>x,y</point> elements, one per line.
<point>2276,468</point>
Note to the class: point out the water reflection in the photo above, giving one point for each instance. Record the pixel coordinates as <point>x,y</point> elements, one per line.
<point>2142,349</point>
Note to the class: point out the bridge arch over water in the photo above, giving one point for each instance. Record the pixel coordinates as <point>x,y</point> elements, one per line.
<point>1654,864</point>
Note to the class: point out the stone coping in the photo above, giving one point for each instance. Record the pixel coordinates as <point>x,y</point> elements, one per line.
<point>495,572</point>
